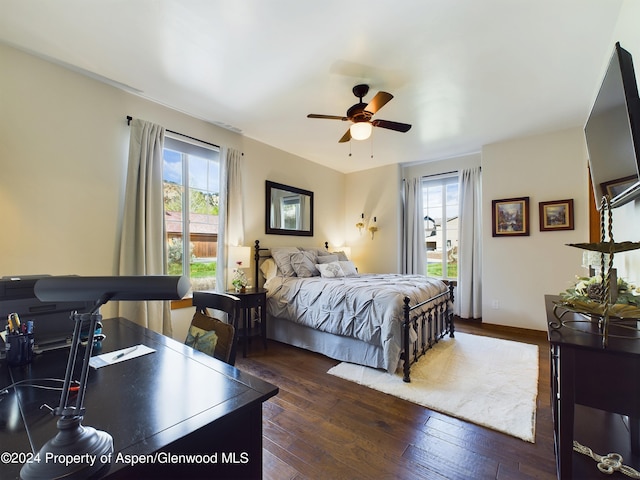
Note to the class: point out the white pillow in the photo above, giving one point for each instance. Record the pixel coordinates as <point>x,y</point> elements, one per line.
<point>330,270</point>
<point>348,268</point>
<point>269,269</point>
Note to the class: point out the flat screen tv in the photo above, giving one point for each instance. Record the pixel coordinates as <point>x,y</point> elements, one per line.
<point>612,133</point>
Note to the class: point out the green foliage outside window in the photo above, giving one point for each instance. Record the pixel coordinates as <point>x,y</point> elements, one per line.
<point>435,270</point>
<point>199,201</point>
<point>196,269</point>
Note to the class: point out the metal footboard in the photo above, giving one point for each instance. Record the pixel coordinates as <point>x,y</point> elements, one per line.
<point>431,325</point>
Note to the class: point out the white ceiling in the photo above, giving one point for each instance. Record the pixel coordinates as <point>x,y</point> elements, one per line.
<point>464,73</point>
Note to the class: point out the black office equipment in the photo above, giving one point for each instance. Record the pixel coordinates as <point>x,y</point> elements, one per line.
<point>93,448</point>
<point>53,325</point>
<point>612,133</point>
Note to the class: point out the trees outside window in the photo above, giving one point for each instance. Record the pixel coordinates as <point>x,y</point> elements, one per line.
<point>191,179</point>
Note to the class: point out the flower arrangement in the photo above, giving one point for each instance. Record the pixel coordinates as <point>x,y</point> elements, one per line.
<point>586,297</point>
<point>239,280</point>
<point>590,289</point>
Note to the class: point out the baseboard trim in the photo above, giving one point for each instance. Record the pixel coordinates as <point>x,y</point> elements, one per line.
<point>491,327</point>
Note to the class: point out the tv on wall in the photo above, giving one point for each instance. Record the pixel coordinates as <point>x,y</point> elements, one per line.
<point>612,133</point>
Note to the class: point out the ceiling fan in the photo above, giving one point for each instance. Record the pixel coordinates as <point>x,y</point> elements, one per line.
<point>361,113</point>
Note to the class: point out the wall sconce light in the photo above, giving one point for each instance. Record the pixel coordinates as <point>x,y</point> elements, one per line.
<point>373,228</point>
<point>360,224</point>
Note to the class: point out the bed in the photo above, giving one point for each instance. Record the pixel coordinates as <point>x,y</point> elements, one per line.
<point>317,300</point>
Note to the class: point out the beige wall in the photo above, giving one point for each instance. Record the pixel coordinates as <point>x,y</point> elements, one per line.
<point>375,193</point>
<point>63,153</point>
<point>262,163</point>
<point>518,271</point>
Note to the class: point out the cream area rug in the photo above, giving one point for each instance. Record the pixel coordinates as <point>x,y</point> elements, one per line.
<point>486,381</point>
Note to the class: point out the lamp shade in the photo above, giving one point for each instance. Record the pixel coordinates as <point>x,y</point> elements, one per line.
<point>239,257</point>
<point>360,130</point>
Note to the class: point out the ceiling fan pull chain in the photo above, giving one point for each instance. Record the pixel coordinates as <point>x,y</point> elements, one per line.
<point>372,146</point>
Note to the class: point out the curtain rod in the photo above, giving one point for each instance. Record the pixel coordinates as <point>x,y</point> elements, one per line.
<point>129,118</point>
<point>440,174</point>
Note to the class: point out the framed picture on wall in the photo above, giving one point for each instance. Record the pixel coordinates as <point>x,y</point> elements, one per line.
<point>556,215</point>
<point>615,187</point>
<point>510,217</point>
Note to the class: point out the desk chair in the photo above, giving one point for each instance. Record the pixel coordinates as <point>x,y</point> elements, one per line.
<point>215,333</point>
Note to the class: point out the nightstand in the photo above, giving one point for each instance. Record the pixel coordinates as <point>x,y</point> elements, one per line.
<point>250,300</point>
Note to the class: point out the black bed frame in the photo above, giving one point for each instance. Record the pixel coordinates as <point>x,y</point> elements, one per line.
<point>435,322</point>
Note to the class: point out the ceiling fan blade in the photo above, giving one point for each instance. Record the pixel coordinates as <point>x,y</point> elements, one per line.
<point>397,126</point>
<point>327,117</point>
<point>346,137</point>
<point>379,101</point>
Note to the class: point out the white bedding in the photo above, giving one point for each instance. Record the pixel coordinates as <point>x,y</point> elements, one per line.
<point>366,307</point>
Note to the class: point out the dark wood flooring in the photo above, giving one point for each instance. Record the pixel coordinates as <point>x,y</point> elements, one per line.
<point>323,427</point>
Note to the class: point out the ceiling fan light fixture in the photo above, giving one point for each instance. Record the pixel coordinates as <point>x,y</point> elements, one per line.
<point>360,130</point>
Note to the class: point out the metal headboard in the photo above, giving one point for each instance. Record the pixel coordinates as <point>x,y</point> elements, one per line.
<point>259,255</point>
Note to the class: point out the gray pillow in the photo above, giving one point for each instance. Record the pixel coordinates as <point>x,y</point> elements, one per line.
<point>283,261</point>
<point>319,251</point>
<point>348,268</point>
<point>304,264</point>
<point>327,258</point>
<point>342,257</point>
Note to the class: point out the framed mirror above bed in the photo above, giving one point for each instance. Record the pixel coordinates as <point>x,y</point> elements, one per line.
<point>289,210</point>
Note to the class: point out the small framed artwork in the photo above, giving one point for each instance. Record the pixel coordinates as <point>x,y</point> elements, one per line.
<point>510,217</point>
<point>556,215</point>
<point>615,187</point>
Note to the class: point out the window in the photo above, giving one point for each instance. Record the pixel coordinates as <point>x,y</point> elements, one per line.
<point>290,211</point>
<point>194,169</point>
<point>440,202</point>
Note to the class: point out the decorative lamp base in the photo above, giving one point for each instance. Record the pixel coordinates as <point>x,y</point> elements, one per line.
<point>76,452</point>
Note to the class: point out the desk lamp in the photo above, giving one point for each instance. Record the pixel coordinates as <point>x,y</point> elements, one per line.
<point>73,438</point>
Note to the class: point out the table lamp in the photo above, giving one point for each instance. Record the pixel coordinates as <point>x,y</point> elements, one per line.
<point>73,438</point>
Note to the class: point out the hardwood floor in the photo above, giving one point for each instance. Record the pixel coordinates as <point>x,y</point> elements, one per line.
<point>323,427</point>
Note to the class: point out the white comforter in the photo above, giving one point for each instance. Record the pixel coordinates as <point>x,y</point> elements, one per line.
<point>367,307</point>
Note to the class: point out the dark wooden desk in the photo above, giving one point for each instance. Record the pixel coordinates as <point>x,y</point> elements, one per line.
<point>592,387</point>
<point>174,400</point>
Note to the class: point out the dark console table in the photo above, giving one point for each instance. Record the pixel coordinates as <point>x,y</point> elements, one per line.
<point>250,300</point>
<point>595,394</point>
<point>175,400</point>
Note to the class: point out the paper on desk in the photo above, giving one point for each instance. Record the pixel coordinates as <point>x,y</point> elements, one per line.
<point>119,355</point>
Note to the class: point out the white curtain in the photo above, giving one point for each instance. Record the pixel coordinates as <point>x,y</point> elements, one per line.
<point>231,213</point>
<point>414,257</point>
<point>302,210</point>
<point>469,298</point>
<point>142,246</point>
